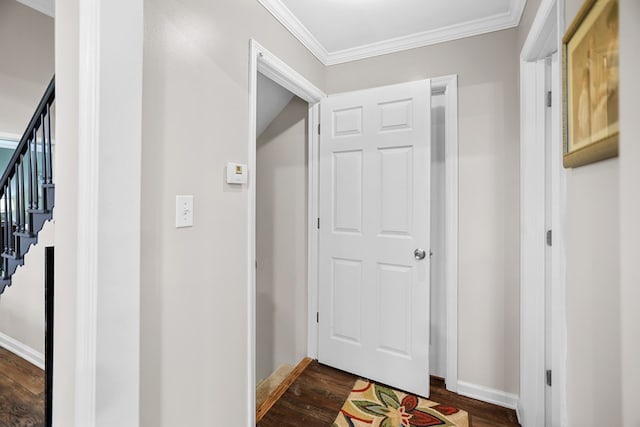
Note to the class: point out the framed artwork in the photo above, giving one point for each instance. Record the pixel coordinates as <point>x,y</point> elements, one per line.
<point>590,84</point>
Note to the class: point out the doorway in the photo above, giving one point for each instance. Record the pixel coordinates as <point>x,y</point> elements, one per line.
<point>281,231</point>
<point>542,187</point>
<point>289,116</point>
<point>262,62</point>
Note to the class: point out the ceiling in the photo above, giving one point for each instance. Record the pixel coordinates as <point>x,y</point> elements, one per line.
<point>337,31</point>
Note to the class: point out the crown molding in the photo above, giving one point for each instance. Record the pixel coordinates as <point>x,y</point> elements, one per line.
<point>466,29</point>
<point>296,28</point>
<point>43,6</point>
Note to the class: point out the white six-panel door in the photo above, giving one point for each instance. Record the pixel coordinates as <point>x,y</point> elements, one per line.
<point>374,215</point>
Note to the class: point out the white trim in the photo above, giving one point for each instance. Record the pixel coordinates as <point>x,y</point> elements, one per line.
<point>254,52</point>
<point>454,32</point>
<point>107,299</point>
<point>532,253</point>
<point>8,143</point>
<point>22,350</point>
<point>313,232</point>
<point>272,67</point>
<point>7,136</point>
<point>449,86</point>
<point>558,251</point>
<point>296,28</point>
<point>489,395</point>
<point>88,191</point>
<point>48,7</point>
<point>537,36</point>
<point>540,44</point>
<point>476,27</point>
<point>263,61</point>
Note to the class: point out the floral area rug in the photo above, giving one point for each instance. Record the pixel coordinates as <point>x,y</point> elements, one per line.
<point>371,404</point>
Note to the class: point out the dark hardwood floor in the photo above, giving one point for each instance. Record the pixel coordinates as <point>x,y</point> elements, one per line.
<point>317,395</point>
<point>21,392</point>
<point>313,400</point>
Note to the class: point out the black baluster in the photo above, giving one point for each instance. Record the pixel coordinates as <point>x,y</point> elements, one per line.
<point>34,172</point>
<point>18,201</point>
<point>44,160</point>
<point>30,184</point>
<point>49,152</point>
<point>5,261</point>
<point>24,195</point>
<point>6,222</point>
<point>11,245</point>
<point>30,171</point>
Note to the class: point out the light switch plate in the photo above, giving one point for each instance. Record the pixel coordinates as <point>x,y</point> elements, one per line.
<point>184,211</point>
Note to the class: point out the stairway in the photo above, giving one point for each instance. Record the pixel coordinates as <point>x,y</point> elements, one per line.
<point>27,191</point>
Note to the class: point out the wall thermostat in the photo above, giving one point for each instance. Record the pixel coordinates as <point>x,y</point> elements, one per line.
<point>236,173</point>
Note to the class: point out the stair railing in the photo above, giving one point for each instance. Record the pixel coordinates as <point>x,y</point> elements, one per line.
<point>27,189</point>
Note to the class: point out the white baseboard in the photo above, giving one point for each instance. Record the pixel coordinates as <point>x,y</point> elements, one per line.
<point>22,350</point>
<point>489,395</point>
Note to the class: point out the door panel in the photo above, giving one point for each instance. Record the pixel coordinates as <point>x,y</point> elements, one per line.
<point>346,298</point>
<point>374,209</point>
<point>347,191</point>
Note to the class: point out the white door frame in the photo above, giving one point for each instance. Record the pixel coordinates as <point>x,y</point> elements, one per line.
<point>448,86</point>
<point>263,61</point>
<point>549,21</point>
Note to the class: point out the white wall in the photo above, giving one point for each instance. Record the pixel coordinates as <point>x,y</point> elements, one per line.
<point>593,288</point>
<point>281,240</point>
<point>194,343</point>
<point>26,43</point>
<point>630,210</point>
<point>488,244</point>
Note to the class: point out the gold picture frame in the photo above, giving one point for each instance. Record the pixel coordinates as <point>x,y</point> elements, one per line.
<point>590,84</point>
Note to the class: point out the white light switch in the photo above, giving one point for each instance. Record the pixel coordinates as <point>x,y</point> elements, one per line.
<point>184,211</point>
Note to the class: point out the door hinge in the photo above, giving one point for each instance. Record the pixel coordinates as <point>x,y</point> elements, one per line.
<point>549,99</point>
<point>318,223</point>
<point>549,237</point>
<point>318,128</point>
<point>317,317</point>
<point>549,377</point>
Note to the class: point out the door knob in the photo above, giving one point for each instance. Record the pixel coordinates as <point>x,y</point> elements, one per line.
<point>419,254</point>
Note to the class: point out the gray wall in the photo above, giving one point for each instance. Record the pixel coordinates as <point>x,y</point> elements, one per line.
<point>528,15</point>
<point>630,210</point>
<point>194,310</point>
<point>593,287</point>
<point>26,43</point>
<point>488,246</point>
<point>22,305</point>
<point>194,343</point>
<point>281,242</point>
